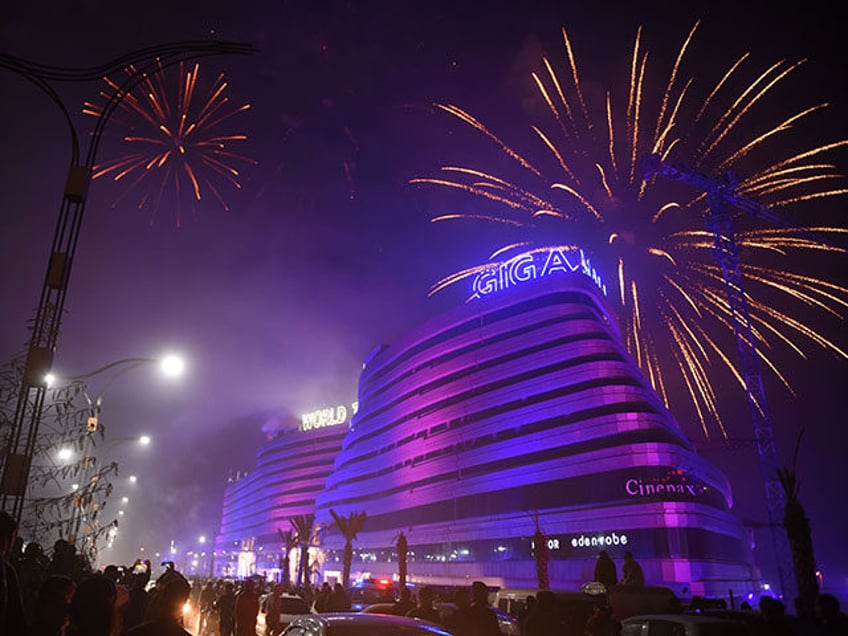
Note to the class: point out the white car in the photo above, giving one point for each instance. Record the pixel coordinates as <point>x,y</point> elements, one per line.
<point>291,606</point>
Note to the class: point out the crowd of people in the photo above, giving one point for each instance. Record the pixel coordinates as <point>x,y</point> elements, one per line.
<point>225,613</point>
<point>60,595</point>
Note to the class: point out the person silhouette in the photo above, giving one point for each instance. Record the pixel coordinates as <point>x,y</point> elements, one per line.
<point>167,620</point>
<point>425,609</point>
<point>631,572</point>
<point>247,609</point>
<point>605,571</point>
<point>12,617</point>
<point>543,619</point>
<point>482,619</point>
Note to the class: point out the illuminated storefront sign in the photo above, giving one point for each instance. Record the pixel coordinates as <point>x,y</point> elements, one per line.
<point>246,563</point>
<point>532,266</point>
<point>553,543</point>
<point>322,418</point>
<point>676,482</point>
<point>598,540</point>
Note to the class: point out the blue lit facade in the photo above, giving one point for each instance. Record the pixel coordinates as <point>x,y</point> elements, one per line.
<point>520,402</point>
<point>290,471</point>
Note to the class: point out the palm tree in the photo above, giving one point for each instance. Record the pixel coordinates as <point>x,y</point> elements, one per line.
<point>303,527</point>
<point>349,526</point>
<point>540,553</point>
<point>403,552</point>
<point>287,539</point>
<point>798,533</point>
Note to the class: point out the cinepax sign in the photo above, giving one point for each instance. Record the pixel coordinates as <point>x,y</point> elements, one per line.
<point>674,484</point>
<point>532,266</point>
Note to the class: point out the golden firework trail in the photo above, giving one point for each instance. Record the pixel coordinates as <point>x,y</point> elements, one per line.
<point>176,139</point>
<point>585,174</point>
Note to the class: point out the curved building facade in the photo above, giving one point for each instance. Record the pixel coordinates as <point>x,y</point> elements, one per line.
<point>523,404</point>
<point>290,472</point>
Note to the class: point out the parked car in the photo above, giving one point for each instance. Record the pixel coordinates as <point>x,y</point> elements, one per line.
<point>291,605</point>
<point>573,608</point>
<point>507,623</point>
<point>379,608</point>
<point>361,624</point>
<point>748,617</point>
<point>369,591</point>
<point>629,600</point>
<point>683,625</point>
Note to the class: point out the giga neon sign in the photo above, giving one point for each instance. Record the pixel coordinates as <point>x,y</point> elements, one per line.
<point>532,266</point>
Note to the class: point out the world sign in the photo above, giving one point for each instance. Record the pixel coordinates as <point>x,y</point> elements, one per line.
<point>321,418</point>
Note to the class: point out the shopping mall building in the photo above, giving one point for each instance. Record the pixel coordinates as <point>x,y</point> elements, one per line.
<point>521,404</point>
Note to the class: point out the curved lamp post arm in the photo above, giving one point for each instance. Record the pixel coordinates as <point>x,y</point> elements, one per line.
<point>46,326</point>
<point>128,363</point>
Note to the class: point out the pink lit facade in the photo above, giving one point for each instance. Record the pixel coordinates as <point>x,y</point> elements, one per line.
<point>521,402</point>
<point>290,471</point>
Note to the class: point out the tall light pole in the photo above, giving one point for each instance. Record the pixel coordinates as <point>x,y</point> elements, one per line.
<point>46,326</point>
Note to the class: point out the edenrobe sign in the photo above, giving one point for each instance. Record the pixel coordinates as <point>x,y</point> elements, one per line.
<point>532,266</point>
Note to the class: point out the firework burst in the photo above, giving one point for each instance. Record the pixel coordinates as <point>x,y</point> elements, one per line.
<point>585,178</point>
<point>177,140</point>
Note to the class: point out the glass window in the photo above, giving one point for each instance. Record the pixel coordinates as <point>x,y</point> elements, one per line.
<point>293,606</point>
<point>666,628</point>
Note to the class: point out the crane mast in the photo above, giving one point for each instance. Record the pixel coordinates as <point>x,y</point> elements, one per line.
<point>722,195</point>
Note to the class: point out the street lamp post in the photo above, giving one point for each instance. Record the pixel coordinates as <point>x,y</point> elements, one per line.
<point>76,514</point>
<point>21,441</point>
<point>86,507</point>
<point>170,365</point>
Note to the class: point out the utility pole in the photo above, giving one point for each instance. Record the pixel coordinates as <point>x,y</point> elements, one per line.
<point>722,195</point>
<point>23,433</point>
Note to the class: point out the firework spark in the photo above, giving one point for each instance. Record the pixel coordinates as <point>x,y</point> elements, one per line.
<point>176,137</point>
<point>587,178</point>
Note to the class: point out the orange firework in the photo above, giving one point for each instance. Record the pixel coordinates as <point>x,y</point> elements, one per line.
<point>177,141</point>
<point>650,233</point>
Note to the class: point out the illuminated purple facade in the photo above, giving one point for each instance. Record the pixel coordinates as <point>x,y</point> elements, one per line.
<point>525,402</point>
<point>522,402</point>
<point>290,471</point>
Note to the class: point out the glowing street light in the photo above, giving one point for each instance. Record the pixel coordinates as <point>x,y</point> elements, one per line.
<point>172,365</point>
<point>169,365</point>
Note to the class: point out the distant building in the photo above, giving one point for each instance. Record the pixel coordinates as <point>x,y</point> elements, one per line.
<point>522,402</point>
<point>290,471</point>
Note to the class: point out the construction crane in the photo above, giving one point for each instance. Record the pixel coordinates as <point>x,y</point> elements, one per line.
<point>722,196</point>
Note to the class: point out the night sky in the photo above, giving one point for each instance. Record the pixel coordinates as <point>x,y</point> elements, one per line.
<point>327,250</point>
